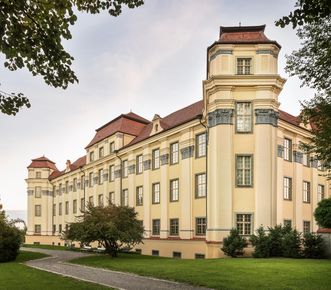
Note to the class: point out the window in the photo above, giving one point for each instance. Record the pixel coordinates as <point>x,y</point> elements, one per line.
<point>74,185</point>
<point>199,256</point>
<point>82,204</point>
<point>111,198</point>
<point>200,226</point>
<point>139,164</point>
<point>112,147</point>
<point>287,188</point>
<point>174,190</point>
<point>67,207</point>
<point>244,166</point>
<point>90,200</point>
<point>200,145</point>
<point>67,187</point>
<point>174,153</point>
<point>54,229</point>
<point>100,176</point>
<point>91,156</point>
<point>244,117</point>
<point>305,159</point>
<point>100,200</point>
<point>101,152</point>
<point>287,223</point>
<point>200,185</point>
<point>139,195</point>
<point>156,227</point>
<point>125,197</point>
<point>177,255</point>
<point>138,251</point>
<point>155,253</point>
<point>82,182</point>
<point>156,158</point>
<point>37,210</point>
<point>74,206</point>
<point>54,209</point>
<point>37,229</point>
<point>90,179</point>
<point>174,227</point>
<point>37,192</point>
<point>306,192</point>
<point>60,229</point>
<point>320,192</point>
<point>156,193</point>
<point>306,227</point>
<point>38,174</point>
<point>244,224</point>
<point>287,149</point>
<point>244,66</point>
<point>111,173</point>
<point>125,168</point>
<point>60,208</point>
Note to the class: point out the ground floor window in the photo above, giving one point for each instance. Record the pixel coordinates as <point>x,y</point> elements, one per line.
<point>287,223</point>
<point>37,229</point>
<point>177,255</point>
<point>156,227</point>
<point>306,227</point>
<point>200,226</point>
<point>155,253</point>
<point>244,224</point>
<point>174,227</point>
<point>199,256</point>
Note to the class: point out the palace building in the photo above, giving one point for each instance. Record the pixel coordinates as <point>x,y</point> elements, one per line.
<point>232,159</point>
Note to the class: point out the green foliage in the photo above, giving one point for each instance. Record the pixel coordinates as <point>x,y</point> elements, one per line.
<point>307,11</point>
<point>322,213</point>
<point>32,33</point>
<point>276,235</point>
<point>291,244</point>
<point>261,242</point>
<point>313,246</point>
<point>114,227</point>
<point>234,244</point>
<point>10,239</point>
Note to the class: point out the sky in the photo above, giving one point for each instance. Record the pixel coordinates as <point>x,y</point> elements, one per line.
<point>150,60</point>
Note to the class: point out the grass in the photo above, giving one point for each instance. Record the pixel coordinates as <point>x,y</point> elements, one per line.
<point>14,275</point>
<point>240,273</point>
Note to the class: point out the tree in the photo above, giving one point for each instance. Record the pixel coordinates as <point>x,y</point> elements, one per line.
<point>313,246</point>
<point>261,243</point>
<point>312,64</point>
<point>234,244</point>
<point>31,36</point>
<point>10,239</point>
<point>322,213</point>
<point>114,227</point>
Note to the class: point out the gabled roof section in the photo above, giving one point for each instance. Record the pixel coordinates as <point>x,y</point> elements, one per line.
<point>244,35</point>
<point>42,162</point>
<point>289,118</point>
<point>130,123</point>
<point>175,119</point>
<point>80,162</point>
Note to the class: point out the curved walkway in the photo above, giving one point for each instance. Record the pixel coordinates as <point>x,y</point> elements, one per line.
<point>56,263</point>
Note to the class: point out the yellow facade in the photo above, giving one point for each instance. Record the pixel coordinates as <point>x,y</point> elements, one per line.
<point>238,181</point>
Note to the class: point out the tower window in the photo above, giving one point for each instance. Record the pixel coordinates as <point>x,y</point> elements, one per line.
<point>244,66</point>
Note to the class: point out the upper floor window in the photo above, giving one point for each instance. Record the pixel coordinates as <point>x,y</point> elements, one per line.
<point>111,199</point>
<point>174,190</point>
<point>156,158</point>
<point>305,159</point>
<point>287,149</point>
<point>100,200</point>
<point>156,193</point>
<point>244,66</point>
<point>74,185</point>
<point>111,173</point>
<point>244,171</point>
<point>38,174</point>
<point>37,210</point>
<point>244,117</point>
<point>37,193</point>
<point>90,179</point>
<point>100,176</point>
<point>82,204</point>
<point>287,188</point>
<point>67,187</point>
<point>200,185</point>
<point>90,200</point>
<point>125,197</point>
<point>101,152</point>
<point>82,181</point>
<point>320,192</point>
<point>201,145</point>
<point>125,168</point>
<point>60,208</point>
<point>306,191</point>
<point>244,224</point>
<point>67,207</point>
<point>112,147</point>
<point>74,206</point>
<point>91,156</point>
<point>139,164</point>
<point>174,153</point>
<point>139,195</point>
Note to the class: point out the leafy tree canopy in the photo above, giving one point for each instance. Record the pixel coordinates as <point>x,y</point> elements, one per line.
<point>32,32</point>
<point>323,213</point>
<point>114,227</point>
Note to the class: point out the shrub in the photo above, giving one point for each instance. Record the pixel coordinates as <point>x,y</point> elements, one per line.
<point>276,236</point>
<point>10,239</point>
<point>261,242</point>
<point>323,213</point>
<point>291,244</point>
<point>234,244</point>
<point>313,247</point>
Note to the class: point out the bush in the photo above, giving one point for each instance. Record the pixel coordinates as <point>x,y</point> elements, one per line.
<point>234,244</point>
<point>261,242</point>
<point>323,213</point>
<point>276,237</point>
<point>291,244</point>
<point>10,239</point>
<point>313,247</point>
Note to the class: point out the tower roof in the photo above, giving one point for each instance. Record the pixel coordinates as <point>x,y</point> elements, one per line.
<point>42,162</point>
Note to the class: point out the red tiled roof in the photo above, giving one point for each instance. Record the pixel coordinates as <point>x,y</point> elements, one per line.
<point>324,230</point>
<point>42,162</point>
<point>244,34</point>
<point>130,123</point>
<point>80,162</point>
<point>177,118</point>
<point>289,118</point>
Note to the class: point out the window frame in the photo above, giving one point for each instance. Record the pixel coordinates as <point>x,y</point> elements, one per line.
<point>174,153</point>
<point>125,164</point>
<point>306,192</point>
<point>39,192</point>
<point>244,223</point>
<point>171,190</point>
<point>111,173</point>
<point>290,188</point>
<point>289,155</point>
<point>111,198</point>
<point>197,145</point>
<point>251,185</point>
<point>101,152</point>
<point>199,226</point>
<point>139,195</point>
<point>244,58</point>
<point>156,164</point>
<point>37,210</point>
<point>320,193</point>
<point>251,117</point>
<point>197,185</point>
<point>153,193</point>
<point>125,197</point>
<point>156,233</point>
<point>139,164</point>
<point>74,206</point>
<point>304,226</point>
<point>176,227</point>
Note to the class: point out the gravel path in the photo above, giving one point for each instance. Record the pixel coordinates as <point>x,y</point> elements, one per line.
<point>57,264</point>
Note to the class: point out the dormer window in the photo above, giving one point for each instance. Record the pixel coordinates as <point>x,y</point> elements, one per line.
<point>101,152</point>
<point>156,127</point>
<point>92,156</point>
<point>244,66</point>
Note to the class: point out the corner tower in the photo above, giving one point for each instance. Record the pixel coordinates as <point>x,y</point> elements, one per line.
<point>241,110</point>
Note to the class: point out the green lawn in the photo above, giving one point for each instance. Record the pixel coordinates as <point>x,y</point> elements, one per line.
<point>240,273</point>
<point>14,276</point>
